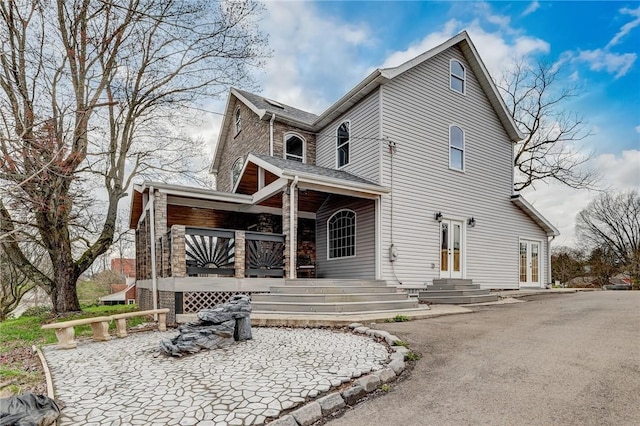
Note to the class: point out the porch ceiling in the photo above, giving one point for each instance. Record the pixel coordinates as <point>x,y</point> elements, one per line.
<point>308,201</point>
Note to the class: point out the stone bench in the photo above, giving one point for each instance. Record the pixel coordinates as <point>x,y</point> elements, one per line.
<point>121,320</point>
<point>65,331</point>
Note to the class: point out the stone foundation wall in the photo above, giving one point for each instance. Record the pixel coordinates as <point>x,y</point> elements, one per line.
<point>145,298</point>
<point>166,299</point>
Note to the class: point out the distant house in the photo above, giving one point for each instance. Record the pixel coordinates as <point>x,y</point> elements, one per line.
<point>406,179</point>
<point>122,293</point>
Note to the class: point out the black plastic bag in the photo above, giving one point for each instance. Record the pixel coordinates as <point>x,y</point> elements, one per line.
<point>28,410</point>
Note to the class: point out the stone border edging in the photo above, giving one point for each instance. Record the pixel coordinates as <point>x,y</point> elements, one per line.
<point>315,411</point>
<point>47,372</point>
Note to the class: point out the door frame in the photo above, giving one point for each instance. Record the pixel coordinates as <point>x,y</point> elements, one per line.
<point>463,244</point>
<point>541,275</point>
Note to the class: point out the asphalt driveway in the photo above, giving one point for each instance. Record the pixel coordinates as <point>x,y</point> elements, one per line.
<point>571,359</point>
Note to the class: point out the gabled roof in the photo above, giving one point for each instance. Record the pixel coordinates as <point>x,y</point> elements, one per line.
<point>534,214</point>
<point>382,75</point>
<point>307,173</point>
<point>264,108</point>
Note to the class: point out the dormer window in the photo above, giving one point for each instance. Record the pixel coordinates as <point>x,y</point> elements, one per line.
<point>457,77</point>
<point>238,120</point>
<point>343,137</point>
<point>294,147</point>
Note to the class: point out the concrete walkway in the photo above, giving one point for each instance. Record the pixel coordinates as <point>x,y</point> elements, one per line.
<point>129,382</point>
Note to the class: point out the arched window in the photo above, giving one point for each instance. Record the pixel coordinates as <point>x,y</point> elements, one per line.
<point>238,120</point>
<point>458,76</point>
<point>456,148</point>
<point>294,148</point>
<point>343,137</point>
<point>341,234</point>
<point>236,169</point>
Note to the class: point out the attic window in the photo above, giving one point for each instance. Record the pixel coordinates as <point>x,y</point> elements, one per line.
<point>238,121</point>
<point>274,103</point>
<point>457,77</point>
<point>294,148</point>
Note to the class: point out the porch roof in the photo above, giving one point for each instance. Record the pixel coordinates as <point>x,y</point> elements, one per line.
<point>137,206</point>
<point>315,177</point>
<point>534,214</point>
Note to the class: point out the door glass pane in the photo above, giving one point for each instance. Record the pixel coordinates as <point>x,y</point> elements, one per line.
<point>534,263</point>
<point>444,238</point>
<point>456,247</point>
<point>523,262</point>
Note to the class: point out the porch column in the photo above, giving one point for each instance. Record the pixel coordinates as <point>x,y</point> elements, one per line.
<point>239,254</point>
<point>178,252</point>
<point>290,230</point>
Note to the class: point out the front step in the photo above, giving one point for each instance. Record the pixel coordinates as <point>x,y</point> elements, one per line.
<point>337,307</point>
<point>451,281</point>
<point>328,298</point>
<point>309,282</point>
<point>425,296</point>
<point>458,292</point>
<point>325,289</point>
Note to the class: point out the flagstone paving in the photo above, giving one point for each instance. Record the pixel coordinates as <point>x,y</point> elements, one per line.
<point>130,382</point>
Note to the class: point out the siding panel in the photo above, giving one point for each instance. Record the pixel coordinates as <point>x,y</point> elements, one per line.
<point>418,108</point>
<point>363,264</point>
<point>364,144</point>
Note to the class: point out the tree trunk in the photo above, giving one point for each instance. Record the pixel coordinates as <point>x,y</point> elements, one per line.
<point>64,297</point>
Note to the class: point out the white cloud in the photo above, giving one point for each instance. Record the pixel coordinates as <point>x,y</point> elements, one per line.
<point>493,47</point>
<point>533,6</point>
<point>311,52</point>
<point>626,28</point>
<point>637,129</point>
<point>614,63</point>
<point>560,204</point>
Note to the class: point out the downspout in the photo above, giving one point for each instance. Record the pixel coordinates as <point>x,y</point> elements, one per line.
<point>292,209</point>
<point>553,237</point>
<point>273,118</point>
<point>154,278</point>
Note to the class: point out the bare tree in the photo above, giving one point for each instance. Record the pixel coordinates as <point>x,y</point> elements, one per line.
<point>566,263</point>
<point>13,286</point>
<point>93,93</point>
<point>611,223</point>
<point>537,98</point>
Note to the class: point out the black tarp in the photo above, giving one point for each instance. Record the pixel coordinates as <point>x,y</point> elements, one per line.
<point>28,409</point>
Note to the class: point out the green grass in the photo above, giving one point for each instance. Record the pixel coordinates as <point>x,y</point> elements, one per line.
<point>19,334</point>
<point>401,343</point>
<point>412,356</point>
<point>398,318</point>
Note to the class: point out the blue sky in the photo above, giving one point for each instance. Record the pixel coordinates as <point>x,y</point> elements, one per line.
<point>322,49</point>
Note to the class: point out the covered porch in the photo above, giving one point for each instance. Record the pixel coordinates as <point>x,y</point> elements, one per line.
<point>196,247</point>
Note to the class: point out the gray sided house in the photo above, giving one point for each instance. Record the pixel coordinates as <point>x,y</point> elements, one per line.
<point>405,179</point>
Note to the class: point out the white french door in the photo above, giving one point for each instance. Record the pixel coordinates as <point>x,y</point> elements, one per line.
<point>530,265</point>
<point>451,249</point>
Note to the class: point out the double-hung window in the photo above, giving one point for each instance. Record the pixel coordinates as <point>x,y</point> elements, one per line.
<point>343,139</point>
<point>457,77</point>
<point>456,148</point>
<point>294,148</point>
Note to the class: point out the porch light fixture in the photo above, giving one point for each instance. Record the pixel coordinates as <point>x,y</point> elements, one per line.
<point>438,216</point>
<point>471,222</point>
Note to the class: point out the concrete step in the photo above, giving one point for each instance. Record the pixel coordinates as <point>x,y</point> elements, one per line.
<point>458,292</point>
<point>264,307</point>
<point>325,289</point>
<point>454,287</point>
<point>457,300</point>
<point>307,282</point>
<point>328,298</point>
<point>452,281</point>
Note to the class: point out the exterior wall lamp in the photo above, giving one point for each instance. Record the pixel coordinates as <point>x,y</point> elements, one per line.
<point>471,222</point>
<point>438,216</point>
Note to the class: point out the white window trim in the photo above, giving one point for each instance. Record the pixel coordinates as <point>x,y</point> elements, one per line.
<point>233,184</point>
<point>355,234</point>
<point>464,149</point>
<point>237,120</point>
<point>304,145</point>
<point>346,143</point>
<point>464,77</point>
